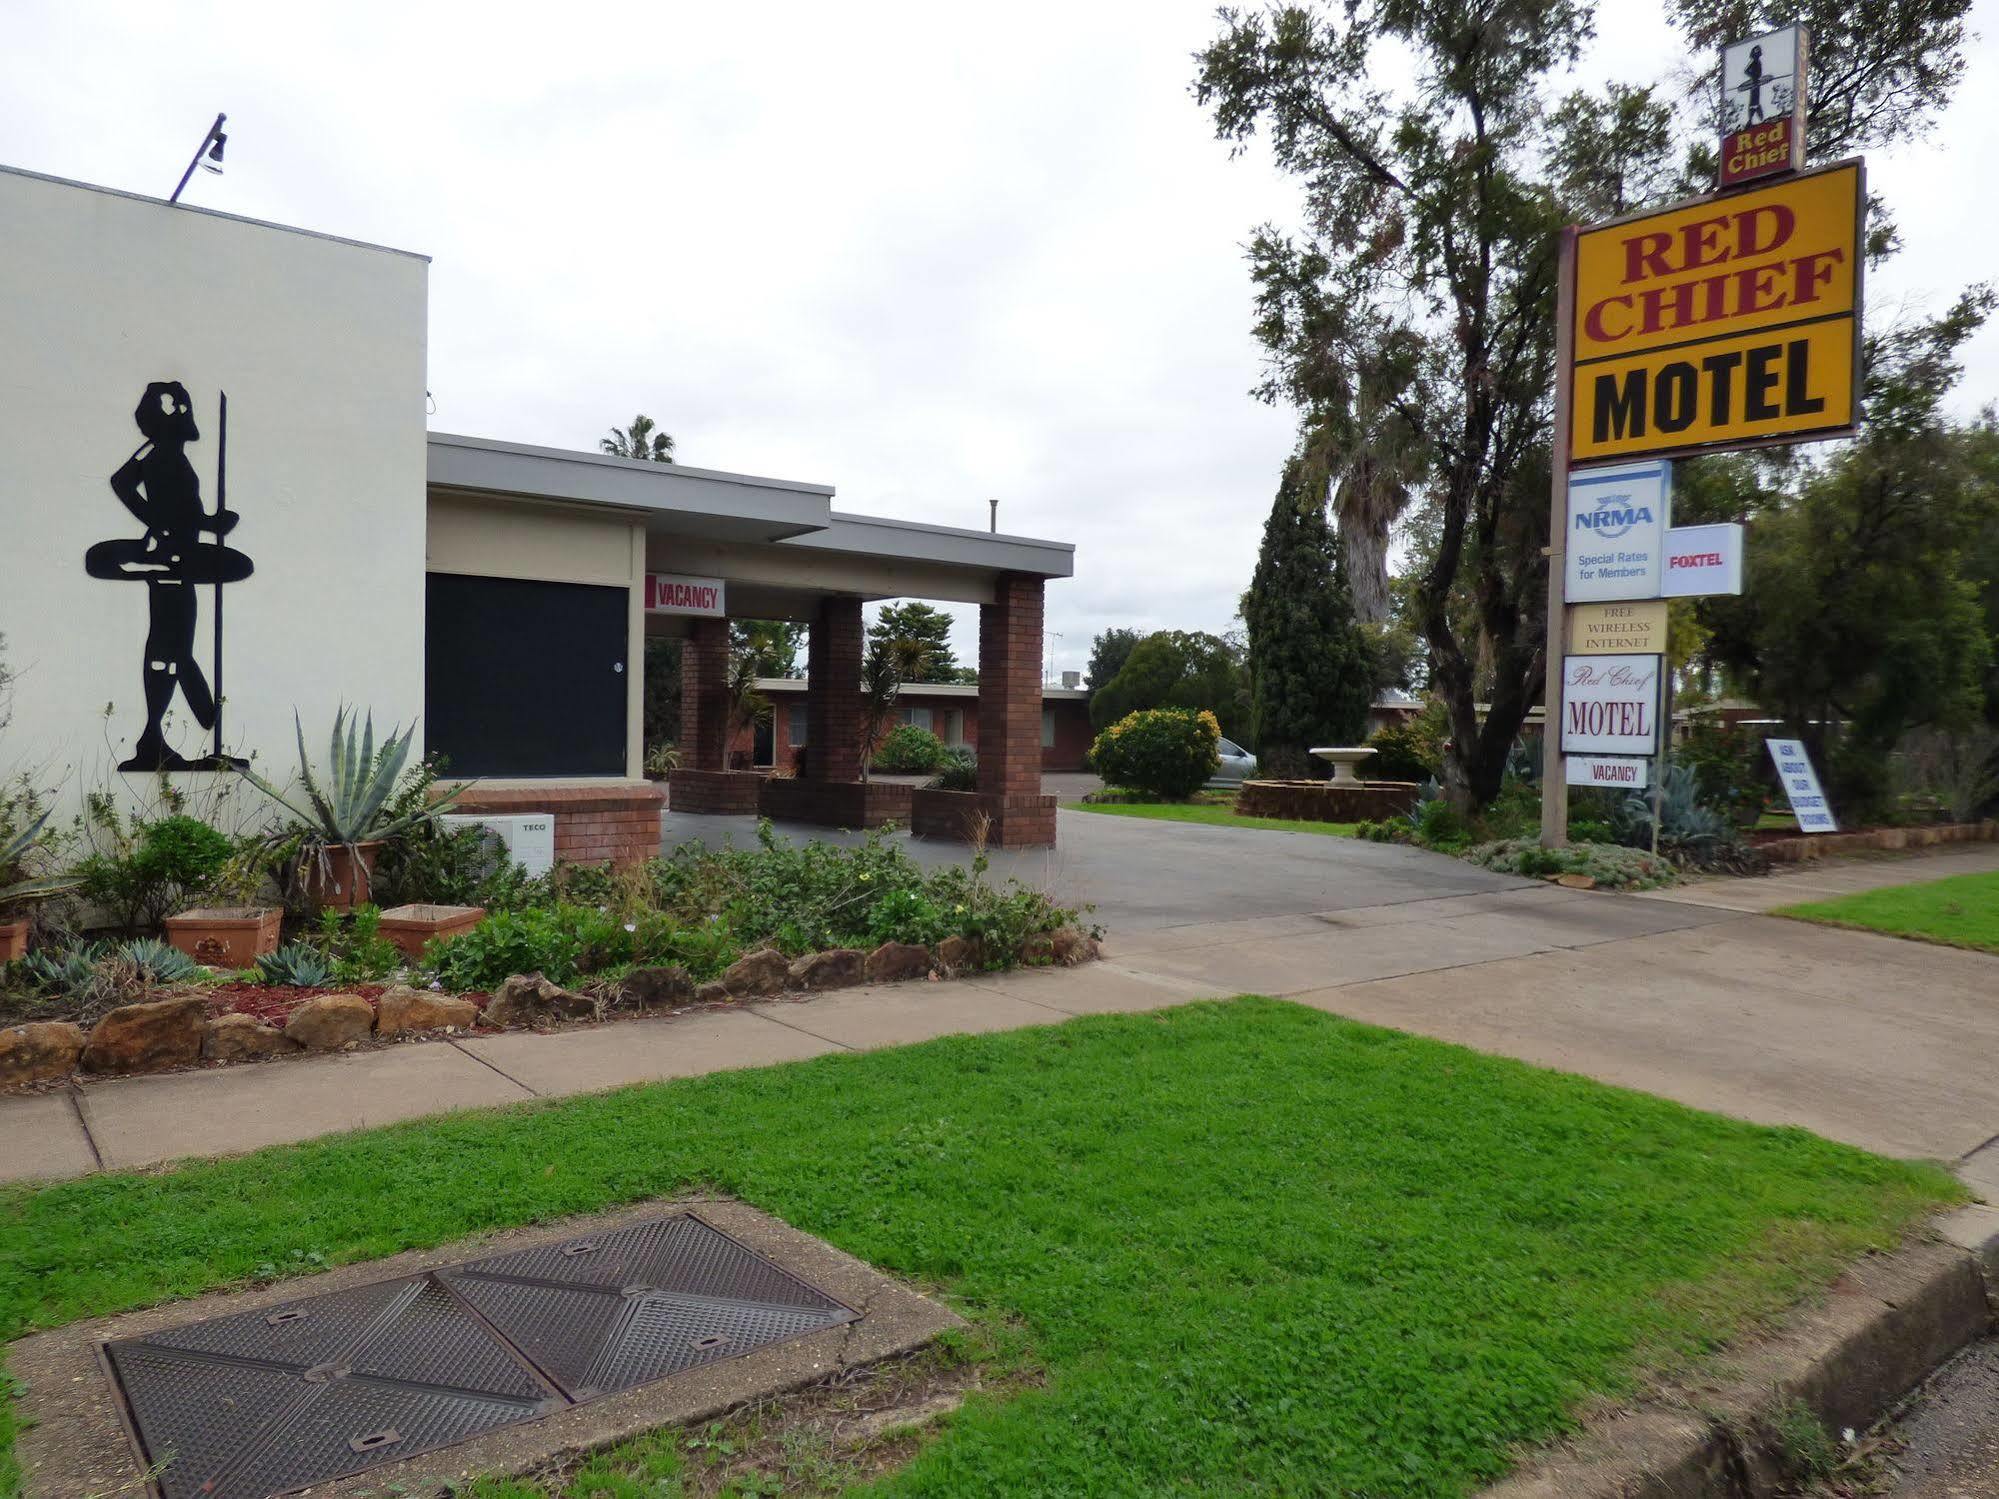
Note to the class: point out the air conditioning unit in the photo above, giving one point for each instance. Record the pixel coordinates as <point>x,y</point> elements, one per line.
<point>527,838</point>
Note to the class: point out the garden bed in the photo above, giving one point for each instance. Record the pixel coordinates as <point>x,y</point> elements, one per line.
<point>1782,847</point>
<point>240,1021</point>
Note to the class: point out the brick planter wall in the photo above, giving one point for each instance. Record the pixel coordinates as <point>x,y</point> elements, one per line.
<point>834,804</point>
<point>618,821</point>
<point>1012,821</point>
<point>715,792</point>
<point>1322,801</point>
<point>1819,845</point>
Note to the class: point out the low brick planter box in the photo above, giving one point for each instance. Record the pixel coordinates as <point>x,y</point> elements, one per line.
<point>226,936</point>
<point>1009,821</point>
<point>1326,801</point>
<point>834,804</point>
<point>614,821</point>
<point>715,792</point>
<point>1874,840</point>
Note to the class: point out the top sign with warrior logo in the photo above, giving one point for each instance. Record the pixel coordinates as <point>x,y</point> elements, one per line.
<point>1763,106</point>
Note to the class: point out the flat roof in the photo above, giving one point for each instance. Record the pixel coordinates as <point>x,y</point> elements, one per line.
<point>921,689</point>
<point>679,500</point>
<point>210,213</point>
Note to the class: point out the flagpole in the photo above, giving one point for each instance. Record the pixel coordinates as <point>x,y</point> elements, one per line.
<point>221,509</point>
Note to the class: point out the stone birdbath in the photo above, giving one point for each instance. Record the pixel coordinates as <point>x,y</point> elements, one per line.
<point>1344,760</point>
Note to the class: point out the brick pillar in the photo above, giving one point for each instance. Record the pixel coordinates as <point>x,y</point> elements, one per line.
<point>704,696</point>
<point>1010,688</point>
<point>833,697</point>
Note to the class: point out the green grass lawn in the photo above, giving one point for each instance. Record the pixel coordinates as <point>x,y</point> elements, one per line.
<point>1962,911</point>
<point>1249,1247</point>
<point>1213,815</point>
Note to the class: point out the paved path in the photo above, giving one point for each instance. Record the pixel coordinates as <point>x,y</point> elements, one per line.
<point>1887,1044</point>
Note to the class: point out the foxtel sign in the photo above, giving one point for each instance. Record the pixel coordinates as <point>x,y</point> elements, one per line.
<point>672,593</point>
<point>1610,705</point>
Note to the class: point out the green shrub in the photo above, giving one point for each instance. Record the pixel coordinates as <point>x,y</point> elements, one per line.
<point>909,750</point>
<point>146,871</point>
<point>1404,752</point>
<point>1611,866</point>
<point>959,772</point>
<point>548,940</point>
<point>1170,752</point>
<point>1731,771</point>
<point>1439,824</point>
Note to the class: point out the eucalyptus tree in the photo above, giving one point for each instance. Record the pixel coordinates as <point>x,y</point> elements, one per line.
<point>1410,315</point>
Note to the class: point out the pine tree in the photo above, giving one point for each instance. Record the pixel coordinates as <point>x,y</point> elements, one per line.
<point>1311,679</point>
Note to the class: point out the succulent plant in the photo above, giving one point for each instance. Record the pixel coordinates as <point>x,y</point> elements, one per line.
<point>156,961</point>
<point>16,846</point>
<point>351,804</point>
<point>298,965</point>
<point>64,972</point>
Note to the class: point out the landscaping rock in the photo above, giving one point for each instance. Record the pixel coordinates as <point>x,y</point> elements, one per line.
<point>238,1038</point>
<point>657,986</point>
<point>39,1052</point>
<point>404,1009</point>
<point>1576,881</point>
<point>956,954</point>
<point>761,972</point>
<point>526,998</point>
<point>893,962</point>
<point>327,1022</point>
<point>835,968</point>
<point>146,1037</point>
<point>712,994</point>
<point>1070,947</point>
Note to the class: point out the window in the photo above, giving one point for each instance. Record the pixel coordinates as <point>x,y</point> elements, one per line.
<point>954,726</point>
<point>1048,728</point>
<point>1230,748</point>
<point>922,718</point>
<point>795,719</point>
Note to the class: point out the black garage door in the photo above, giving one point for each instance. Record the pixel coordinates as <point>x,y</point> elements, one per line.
<point>525,679</point>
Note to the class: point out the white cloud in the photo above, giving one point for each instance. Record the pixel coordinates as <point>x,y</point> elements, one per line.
<point>927,254</point>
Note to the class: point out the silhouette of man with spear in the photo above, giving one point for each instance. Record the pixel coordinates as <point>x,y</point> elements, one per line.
<point>159,486</point>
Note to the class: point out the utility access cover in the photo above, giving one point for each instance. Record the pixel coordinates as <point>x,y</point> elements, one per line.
<point>266,1402</point>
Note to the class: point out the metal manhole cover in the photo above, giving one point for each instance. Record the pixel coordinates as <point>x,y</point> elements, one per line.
<point>263,1403</point>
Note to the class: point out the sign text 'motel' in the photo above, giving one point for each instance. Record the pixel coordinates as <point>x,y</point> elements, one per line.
<point>1610,705</point>
<point>1724,322</point>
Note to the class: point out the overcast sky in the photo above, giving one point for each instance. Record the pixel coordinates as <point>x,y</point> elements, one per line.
<point>928,254</point>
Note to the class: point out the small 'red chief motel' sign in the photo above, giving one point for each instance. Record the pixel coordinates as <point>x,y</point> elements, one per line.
<point>1725,323</point>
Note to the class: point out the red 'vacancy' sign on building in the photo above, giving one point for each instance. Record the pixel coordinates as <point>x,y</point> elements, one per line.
<point>673,593</point>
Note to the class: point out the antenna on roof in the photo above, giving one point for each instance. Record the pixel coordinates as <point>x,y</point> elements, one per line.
<point>207,156</point>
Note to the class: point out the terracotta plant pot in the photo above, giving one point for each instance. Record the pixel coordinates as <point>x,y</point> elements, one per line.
<point>226,936</point>
<point>13,940</point>
<point>410,927</point>
<point>340,876</point>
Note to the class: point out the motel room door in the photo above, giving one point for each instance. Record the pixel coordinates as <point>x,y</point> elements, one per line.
<point>525,678</point>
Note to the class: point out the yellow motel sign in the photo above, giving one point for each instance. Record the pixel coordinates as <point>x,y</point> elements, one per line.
<point>1728,322</point>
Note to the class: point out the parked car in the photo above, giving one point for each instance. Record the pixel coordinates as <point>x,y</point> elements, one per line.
<point>1238,765</point>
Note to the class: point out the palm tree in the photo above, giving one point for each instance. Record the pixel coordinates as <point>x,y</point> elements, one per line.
<point>639,440</point>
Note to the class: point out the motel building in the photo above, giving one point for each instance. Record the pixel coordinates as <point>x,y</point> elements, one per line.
<point>220,506</point>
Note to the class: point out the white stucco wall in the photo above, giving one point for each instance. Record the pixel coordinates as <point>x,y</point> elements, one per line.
<point>320,347</point>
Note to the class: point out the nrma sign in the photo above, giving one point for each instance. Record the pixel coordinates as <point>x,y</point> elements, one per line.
<point>1615,516</point>
<point>1617,531</point>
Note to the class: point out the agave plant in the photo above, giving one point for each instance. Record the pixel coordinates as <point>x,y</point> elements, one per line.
<point>351,805</point>
<point>17,845</point>
<point>157,962</point>
<point>298,965</point>
<point>64,972</point>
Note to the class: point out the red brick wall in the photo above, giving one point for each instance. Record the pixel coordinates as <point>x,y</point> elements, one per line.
<point>704,695</point>
<point>1072,725</point>
<point>833,707</point>
<point>1010,688</point>
<point>714,791</point>
<point>618,822</point>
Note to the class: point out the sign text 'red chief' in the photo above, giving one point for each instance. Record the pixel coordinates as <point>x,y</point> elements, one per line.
<point>1727,321</point>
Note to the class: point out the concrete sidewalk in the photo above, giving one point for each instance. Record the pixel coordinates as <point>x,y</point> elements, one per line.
<point>1887,1044</point>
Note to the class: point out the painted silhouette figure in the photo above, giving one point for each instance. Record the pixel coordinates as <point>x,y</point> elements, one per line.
<point>160,487</point>
<point>1753,78</point>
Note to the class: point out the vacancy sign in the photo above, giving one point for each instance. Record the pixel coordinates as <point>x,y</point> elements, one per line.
<point>1617,532</point>
<point>1763,106</point>
<point>1726,322</point>
<point>1702,560</point>
<point>671,593</point>
<point>1610,705</point>
<point>1604,771</point>
<point>1801,785</point>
